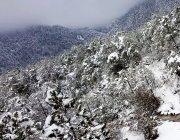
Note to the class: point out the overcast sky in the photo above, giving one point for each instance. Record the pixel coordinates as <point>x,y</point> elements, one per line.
<point>16,14</point>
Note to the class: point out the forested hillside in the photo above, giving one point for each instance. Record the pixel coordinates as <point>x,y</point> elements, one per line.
<point>123,87</point>
<point>140,14</point>
<point>31,45</point>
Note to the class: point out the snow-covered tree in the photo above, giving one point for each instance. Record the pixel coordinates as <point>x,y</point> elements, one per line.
<point>16,127</point>
<point>70,120</point>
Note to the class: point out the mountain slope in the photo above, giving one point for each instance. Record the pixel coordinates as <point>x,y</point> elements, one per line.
<point>125,86</point>
<point>31,45</point>
<point>34,44</point>
<point>141,13</point>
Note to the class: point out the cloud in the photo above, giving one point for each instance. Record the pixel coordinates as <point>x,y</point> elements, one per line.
<point>16,14</point>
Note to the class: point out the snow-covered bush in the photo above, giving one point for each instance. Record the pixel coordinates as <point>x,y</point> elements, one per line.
<point>69,119</point>
<point>16,127</point>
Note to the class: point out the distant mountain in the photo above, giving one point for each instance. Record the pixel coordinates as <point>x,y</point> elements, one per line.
<point>29,46</point>
<point>140,14</point>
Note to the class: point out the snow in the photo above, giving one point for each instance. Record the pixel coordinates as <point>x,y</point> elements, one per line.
<point>174,59</point>
<point>49,95</point>
<point>45,138</point>
<point>11,136</point>
<point>169,131</point>
<point>27,123</point>
<point>67,101</point>
<point>48,119</point>
<point>121,40</point>
<point>119,44</point>
<point>129,50</point>
<point>65,137</point>
<point>170,101</point>
<point>114,43</point>
<point>105,81</point>
<point>49,130</point>
<point>131,135</point>
<point>157,69</point>
<point>166,85</point>
<point>71,74</point>
<point>126,102</point>
<point>97,127</point>
<point>171,60</point>
<point>82,112</point>
<point>112,56</point>
<point>80,37</point>
<point>173,21</point>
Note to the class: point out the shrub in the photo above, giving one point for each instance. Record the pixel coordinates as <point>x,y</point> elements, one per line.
<point>21,89</point>
<point>146,103</point>
<point>146,106</point>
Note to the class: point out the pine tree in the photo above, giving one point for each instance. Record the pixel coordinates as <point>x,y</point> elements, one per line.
<point>69,119</point>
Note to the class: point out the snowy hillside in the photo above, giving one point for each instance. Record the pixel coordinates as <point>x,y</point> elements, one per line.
<point>29,46</point>
<point>20,48</point>
<point>123,87</point>
<point>140,14</point>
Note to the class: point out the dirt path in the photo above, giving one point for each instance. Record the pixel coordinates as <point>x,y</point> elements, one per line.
<point>169,117</point>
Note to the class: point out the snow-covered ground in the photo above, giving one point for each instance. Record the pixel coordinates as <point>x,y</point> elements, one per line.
<point>131,135</point>
<point>165,88</point>
<point>169,131</point>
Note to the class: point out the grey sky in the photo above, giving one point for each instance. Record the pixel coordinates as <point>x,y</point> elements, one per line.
<point>69,13</point>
